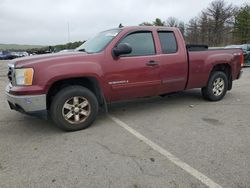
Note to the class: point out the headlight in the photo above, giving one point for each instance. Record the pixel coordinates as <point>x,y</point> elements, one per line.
<point>24,76</point>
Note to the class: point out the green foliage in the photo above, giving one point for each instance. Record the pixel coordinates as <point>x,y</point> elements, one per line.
<point>158,22</point>
<point>241,31</point>
<point>170,22</point>
<point>16,47</point>
<point>146,24</point>
<point>36,49</point>
<point>220,24</point>
<point>71,45</point>
<point>56,48</point>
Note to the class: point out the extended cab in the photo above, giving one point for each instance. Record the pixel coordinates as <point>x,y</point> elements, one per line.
<point>117,64</point>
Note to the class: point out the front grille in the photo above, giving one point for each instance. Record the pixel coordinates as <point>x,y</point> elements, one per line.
<point>10,74</point>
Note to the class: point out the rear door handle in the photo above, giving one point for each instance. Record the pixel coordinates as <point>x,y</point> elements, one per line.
<point>152,63</point>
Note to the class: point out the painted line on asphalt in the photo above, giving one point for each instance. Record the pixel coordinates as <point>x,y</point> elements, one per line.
<point>195,173</point>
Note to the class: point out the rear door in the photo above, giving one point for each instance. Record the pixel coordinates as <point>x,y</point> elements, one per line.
<point>173,61</point>
<point>135,74</point>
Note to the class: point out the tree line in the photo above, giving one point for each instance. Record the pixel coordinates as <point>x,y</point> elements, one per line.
<point>56,48</point>
<point>219,24</point>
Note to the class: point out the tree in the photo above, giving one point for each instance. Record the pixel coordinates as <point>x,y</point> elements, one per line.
<point>172,22</point>
<point>158,22</point>
<point>146,24</point>
<point>192,36</point>
<point>220,15</point>
<point>181,27</point>
<point>216,25</point>
<point>241,31</point>
<point>203,27</point>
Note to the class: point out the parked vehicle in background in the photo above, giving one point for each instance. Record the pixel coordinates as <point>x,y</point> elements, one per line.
<point>6,55</point>
<point>246,52</point>
<point>22,54</point>
<point>118,64</point>
<point>2,56</point>
<point>215,48</point>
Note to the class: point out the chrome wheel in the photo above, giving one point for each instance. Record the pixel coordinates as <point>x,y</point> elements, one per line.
<point>218,86</point>
<point>76,110</point>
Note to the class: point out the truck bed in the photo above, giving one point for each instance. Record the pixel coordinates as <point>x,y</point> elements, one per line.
<point>201,62</point>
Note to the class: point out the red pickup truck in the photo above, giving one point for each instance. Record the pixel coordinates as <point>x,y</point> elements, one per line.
<point>117,64</point>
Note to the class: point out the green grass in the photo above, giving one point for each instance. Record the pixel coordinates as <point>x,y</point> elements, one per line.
<point>18,46</point>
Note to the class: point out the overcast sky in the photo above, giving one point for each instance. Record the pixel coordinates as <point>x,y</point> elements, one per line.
<point>45,22</point>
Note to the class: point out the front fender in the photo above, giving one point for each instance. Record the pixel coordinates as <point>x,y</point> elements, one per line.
<point>52,73</point>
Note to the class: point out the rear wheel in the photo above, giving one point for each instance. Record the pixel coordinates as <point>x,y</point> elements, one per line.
<point>74,108</point>
<point>217,86</point>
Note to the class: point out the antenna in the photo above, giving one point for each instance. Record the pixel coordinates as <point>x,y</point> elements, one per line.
<point>68,33</point>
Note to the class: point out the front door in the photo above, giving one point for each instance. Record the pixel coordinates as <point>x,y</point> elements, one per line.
<point>135,74</point>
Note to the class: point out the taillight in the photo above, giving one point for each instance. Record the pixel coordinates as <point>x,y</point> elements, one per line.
<point>241,59</point>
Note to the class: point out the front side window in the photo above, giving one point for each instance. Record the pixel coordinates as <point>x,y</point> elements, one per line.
<point>168,42</point>
<point>142,43</point>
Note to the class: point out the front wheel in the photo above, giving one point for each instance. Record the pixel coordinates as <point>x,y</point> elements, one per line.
<point>74,108</point>
<point>217,86</point>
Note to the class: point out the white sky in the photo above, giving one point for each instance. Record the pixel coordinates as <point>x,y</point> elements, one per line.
<point>45,22</point>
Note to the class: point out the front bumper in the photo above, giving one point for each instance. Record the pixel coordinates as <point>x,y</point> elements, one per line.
<point>29,104</point>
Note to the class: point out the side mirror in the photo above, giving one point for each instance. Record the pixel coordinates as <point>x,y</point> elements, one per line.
<point>121,49</point>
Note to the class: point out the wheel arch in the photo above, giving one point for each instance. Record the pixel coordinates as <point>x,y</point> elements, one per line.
<point>90,83</point>
<point>226,68</point>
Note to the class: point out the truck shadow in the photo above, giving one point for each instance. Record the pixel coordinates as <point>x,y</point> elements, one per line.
<point>184,98</point>
<point>25,124</point>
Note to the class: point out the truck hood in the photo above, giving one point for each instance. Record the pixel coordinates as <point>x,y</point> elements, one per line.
<point>31,61</point>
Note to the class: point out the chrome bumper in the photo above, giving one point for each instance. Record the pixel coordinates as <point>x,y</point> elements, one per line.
<point>30,104</point>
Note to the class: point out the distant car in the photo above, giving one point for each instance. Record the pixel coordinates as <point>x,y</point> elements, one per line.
<point>215,48</point>
<point>5,55</point>
<point>1,55</point>
<point>20,54</point>
<point>246,52</point>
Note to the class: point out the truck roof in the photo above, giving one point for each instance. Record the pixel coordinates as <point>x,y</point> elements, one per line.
<point>128,28</point>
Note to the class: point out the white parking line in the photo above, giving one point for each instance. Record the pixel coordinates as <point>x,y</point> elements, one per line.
<point>195,173</point>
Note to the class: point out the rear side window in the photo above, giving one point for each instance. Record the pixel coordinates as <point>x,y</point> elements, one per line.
<point>168,42</point>
<point>142,43</point>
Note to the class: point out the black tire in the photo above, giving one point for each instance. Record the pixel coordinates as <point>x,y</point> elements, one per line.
<point>208,91</point>
<point>63,99</point>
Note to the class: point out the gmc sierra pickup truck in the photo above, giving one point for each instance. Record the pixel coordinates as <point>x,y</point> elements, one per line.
<point>117,64</point>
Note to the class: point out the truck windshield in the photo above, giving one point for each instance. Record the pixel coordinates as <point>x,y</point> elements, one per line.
<point>99,42</point>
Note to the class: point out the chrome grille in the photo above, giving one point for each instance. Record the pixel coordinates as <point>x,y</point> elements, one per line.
<point>10,74</point>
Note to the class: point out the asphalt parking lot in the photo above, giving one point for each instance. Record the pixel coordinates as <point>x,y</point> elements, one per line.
<point>151,142</point>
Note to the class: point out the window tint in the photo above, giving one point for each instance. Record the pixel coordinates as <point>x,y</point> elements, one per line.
<point>168,42</point>
<point>142,43</point>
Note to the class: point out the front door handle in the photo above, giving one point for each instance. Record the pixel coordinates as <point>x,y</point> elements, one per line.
<point>152,63</point>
